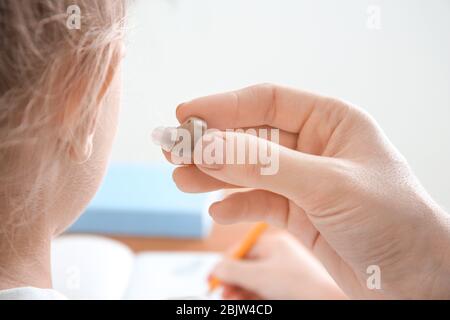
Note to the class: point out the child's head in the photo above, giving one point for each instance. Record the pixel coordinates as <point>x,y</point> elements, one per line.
<point>59,98</point>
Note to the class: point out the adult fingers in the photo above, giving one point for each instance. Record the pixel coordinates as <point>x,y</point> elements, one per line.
<point>285,171</point>
<point>191,180</point>
<point>286,139</point>
<point>251,206</point>
<point>276,106</point>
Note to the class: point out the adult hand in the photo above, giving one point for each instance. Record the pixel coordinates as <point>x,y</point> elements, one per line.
<point>341,188</point>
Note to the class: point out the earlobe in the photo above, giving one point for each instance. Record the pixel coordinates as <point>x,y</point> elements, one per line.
<point>82,154</point>
<point>81,148</point>
<point>82,145</point>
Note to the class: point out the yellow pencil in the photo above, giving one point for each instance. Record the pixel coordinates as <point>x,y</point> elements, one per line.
<point>246,245</point>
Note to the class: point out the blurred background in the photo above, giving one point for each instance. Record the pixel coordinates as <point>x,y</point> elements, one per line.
<point>390,57</point>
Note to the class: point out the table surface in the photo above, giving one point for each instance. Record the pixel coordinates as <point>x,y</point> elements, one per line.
<point>221,238</point>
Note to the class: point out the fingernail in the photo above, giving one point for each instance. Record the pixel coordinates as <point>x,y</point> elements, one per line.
<point>177,110</point>
<point>164,137</point>
<point>212,166</point>
<point>212,208</point>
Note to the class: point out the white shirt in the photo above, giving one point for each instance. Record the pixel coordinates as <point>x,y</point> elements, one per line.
<point>30,293</point>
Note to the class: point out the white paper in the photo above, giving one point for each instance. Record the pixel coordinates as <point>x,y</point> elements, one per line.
<point>91,267</point>
<point>171,275</point>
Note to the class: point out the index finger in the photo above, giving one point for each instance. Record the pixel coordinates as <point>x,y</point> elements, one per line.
<point>279,107</point>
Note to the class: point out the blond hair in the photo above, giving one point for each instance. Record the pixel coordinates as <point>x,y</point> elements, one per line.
<point>44,67</point>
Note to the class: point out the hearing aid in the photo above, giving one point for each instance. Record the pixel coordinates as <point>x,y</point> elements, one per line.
<point>169,137</point>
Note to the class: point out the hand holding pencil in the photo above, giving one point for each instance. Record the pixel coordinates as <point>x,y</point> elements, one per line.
<point>244,248</point>
<point>277,267</point>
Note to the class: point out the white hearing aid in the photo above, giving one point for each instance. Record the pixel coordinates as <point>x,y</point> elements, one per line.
<point>169,137</point>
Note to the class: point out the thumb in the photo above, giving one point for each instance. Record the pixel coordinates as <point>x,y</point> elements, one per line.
<point>249,161</point>
<point>242,273</point>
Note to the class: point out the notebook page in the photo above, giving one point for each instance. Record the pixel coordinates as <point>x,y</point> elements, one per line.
<point>91,267</point>
<point>171,275</point>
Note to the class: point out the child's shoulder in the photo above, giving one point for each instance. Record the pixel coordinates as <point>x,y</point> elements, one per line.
<point>30,293</point>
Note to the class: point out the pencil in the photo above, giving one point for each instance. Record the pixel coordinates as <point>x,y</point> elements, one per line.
<point>246,245</point>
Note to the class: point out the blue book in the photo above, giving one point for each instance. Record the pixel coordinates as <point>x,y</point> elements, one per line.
<point>142,200</point>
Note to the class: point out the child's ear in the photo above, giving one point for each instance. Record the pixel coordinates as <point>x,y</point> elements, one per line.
<point>81,144</point>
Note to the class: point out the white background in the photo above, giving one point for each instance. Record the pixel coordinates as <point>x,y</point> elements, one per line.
<point>181,49</point>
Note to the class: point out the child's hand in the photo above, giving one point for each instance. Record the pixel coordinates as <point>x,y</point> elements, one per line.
<point>342,188</point>
<point>278,267</point>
